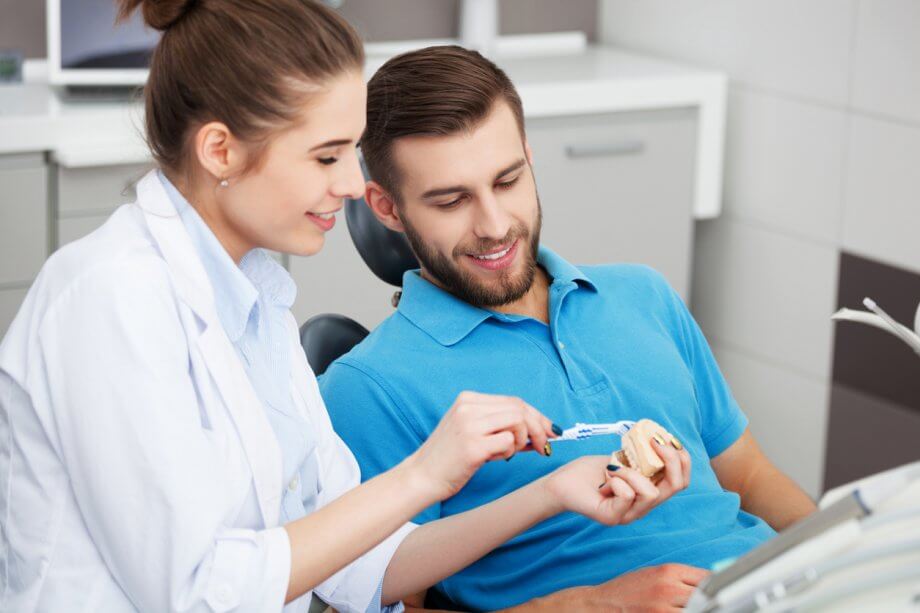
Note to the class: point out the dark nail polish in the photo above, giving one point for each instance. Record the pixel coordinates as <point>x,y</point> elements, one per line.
<point>508,459</point>
<point>557,430</point>
<point>613,468</point>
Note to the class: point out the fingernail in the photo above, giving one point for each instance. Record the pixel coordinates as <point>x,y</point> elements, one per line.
<point>613,468</point>
<point>602,485</point>
<point>659,440</point>
<point>547,450</point>
<point>676,443</point>
<point>508,459</point>
<point>557,430</point>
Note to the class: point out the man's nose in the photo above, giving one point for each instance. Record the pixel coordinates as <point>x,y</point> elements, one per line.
<point>492,221</point>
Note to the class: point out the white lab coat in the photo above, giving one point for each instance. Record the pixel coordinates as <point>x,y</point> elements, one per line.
<point>138,470</point>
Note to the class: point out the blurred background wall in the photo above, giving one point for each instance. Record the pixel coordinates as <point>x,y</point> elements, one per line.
<point>376,20</point>
<point>822,160</point>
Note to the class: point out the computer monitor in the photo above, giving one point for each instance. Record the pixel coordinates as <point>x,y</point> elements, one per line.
<point>86,47</point>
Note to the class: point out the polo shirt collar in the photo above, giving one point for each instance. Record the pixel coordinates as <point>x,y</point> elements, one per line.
<point>449,320</point>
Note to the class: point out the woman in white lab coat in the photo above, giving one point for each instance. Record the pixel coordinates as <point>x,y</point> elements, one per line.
<point>163,445</point>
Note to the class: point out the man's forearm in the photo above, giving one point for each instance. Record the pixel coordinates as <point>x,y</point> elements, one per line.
<point>441,548</point>
<point>775,498</point>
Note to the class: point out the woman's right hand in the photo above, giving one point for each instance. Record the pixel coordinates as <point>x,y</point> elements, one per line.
<point>476,429</point>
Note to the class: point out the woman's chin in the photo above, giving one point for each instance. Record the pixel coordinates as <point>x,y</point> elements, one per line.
<point>306,248</point>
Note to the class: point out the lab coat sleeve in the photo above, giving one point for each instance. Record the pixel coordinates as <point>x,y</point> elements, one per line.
<point>145,471</point>
<point>355,587</point>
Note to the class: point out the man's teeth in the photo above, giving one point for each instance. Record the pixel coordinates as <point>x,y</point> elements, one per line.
<point>325,215</point>
<point>493,256</point>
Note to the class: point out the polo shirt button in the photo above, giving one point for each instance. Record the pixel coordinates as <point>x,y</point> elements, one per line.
<point>294,482</point>
<point>561,345</point>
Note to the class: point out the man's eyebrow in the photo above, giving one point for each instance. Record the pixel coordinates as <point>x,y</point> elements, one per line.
<point>443,191</point>
<point>453,189</point>
<point>332,143</point>
<point>510,168</point>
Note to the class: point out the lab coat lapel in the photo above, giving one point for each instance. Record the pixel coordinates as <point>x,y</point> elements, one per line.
<point>194,289</point>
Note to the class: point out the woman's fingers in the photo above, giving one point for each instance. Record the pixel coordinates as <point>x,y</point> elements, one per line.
<point>645,493</point>
<point>499,445</point>
<point>497,402</point>
<point>623,498</point>
<point>516,416</point>
<point>673,480</point>
<point>509,420</point>
<point>686,466</point>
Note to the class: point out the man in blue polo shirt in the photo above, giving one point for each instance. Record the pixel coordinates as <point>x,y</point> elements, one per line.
<point>493,311</point>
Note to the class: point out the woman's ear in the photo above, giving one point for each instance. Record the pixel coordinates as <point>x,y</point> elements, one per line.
<point>383,206</point>
<point>220,153</point>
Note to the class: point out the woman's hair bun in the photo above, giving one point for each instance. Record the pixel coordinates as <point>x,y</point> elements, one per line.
<point>158,14</point>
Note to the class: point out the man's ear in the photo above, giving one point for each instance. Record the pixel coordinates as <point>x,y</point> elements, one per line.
<point>221,154</point>
<point>383,206</point>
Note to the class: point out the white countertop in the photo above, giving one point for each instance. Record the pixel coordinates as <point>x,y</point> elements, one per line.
<point>33,118</point>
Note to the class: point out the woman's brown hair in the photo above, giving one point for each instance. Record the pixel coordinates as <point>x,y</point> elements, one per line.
<point>250,64</point>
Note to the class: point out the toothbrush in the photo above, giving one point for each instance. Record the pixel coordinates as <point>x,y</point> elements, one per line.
<point>582,431</point>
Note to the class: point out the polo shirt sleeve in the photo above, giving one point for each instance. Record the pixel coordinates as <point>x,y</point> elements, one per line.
<point>372,423</point>
<point>721,419</point>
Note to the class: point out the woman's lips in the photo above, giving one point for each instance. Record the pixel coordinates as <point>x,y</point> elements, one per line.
<point>324,224</point>
<point>496,263</point>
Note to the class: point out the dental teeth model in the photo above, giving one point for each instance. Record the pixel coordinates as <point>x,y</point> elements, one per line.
<point>637,451</point>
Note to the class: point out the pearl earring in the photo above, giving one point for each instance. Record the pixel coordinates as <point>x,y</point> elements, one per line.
<point>224,183</point>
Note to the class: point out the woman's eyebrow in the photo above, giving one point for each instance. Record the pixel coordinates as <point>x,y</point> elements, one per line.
<point>332,143</point>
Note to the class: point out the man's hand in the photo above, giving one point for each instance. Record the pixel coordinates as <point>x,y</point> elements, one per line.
<point>658,588</point>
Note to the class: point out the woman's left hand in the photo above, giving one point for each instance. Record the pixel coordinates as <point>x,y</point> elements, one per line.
<point>624,495</point>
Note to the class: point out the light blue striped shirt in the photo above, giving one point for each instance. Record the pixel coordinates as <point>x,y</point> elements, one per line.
<point>252,301</point>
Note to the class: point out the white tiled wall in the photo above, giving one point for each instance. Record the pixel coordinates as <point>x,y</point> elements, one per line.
<point>823,154</point>
<point>772,394</point>
<point>881,216</point>
<point>801,48</point>
<point>766,292</point>
<point>886,61</point>
<point>784,164</point>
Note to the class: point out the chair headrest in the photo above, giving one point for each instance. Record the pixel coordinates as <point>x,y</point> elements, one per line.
<point>385,252</point>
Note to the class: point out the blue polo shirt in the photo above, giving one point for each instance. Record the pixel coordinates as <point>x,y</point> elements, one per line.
<point>620,344</point>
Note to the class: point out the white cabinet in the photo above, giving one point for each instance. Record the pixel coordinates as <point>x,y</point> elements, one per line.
<point>24,226</point>
<point>23,217</point>
<point>618,187</point>
<point>10,300</point>
<point>86,196</point>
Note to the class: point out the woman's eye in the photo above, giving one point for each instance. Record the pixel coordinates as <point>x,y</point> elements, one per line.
<point>507,184</point>
<point>328,161</point>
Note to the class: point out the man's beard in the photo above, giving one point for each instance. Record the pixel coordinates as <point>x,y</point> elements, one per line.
<point>462,284</point>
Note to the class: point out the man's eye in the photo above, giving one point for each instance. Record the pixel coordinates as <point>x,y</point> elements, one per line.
<point>328,161</point>
<point>507,184</point>
<point>448,205</point>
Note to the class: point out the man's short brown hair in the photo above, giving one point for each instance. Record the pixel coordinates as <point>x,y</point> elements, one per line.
<point>433,91</point>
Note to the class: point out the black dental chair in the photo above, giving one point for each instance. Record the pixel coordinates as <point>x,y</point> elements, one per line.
<point>326,337</point>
